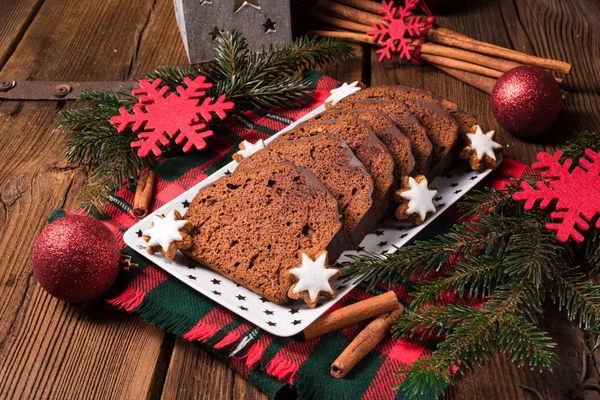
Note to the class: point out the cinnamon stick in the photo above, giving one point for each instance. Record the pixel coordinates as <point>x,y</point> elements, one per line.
<point>461,65</point>
<point>342,23</point>
<point>364,342</point>
<point>350,13</point>
<point>143,194</point>
<point>442,35</point>
<point>357,37</point>
<point>351,314</point>
<point>448,37</point>
<point>464,55</point>
<point>430,48</point>
<point>482,83</point>
<point>365,5</point>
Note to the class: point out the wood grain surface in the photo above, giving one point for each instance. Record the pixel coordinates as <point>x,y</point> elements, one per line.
<point>51,349</point>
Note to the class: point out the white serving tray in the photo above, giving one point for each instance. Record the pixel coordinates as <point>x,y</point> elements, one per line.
<point>288,320</point>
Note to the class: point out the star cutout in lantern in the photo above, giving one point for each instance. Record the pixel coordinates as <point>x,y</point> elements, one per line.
<point>269,26</point>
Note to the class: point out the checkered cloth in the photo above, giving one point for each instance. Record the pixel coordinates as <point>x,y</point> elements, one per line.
<point>276,365</point>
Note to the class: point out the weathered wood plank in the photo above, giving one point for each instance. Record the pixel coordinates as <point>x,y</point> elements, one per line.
<point>160,42</point>
<point>15,18</point>
<point>194,374</point>
<point>49,348</point>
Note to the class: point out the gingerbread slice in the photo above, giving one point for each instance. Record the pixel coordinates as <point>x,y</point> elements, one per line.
<point>331,160</point>
<point>383,127</point>
<point>365,145</point>
<point>398,112</point>
<point>249,226</point>
<point>442,129</point>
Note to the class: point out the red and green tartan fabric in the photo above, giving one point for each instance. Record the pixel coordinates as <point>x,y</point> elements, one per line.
<point>280,367</point>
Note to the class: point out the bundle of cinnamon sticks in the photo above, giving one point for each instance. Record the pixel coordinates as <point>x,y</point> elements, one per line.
<point>477,63</point>
<point>385,309</point>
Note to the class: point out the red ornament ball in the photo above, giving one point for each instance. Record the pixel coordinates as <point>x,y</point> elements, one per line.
<point>526,100</point>
<point>76,258</point>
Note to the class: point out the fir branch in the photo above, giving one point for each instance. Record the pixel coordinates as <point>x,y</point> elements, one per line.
<point>264,79</point>
<point>472,336</point>
<point>173,76</point>
<point>525,343</point>
<point>482,201</point>
<point>478,277</point>
<point>432,321</point>
<point>534,254</point>
<point>580,297</point>
<point>488,235</point>
<point>118,162</point>
<point>592,250</point>
<point>575,148</point>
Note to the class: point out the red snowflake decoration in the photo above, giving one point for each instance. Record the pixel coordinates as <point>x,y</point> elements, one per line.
<point>160,116</point>
<point>401,31</point>
<point>577,192</point>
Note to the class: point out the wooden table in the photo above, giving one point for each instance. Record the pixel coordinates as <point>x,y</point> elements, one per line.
<point>49,348</point>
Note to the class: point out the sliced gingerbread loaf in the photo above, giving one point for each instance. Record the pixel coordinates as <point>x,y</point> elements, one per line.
<point>250,226</point>
<point>384,128</point>
<point>421,147</point>
<point>331,160</point>
<point>442,130</point>
<point>466,122</point>
<point>365,145</point>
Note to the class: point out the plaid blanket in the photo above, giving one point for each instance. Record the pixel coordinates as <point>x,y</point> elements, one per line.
<point>278,366</point>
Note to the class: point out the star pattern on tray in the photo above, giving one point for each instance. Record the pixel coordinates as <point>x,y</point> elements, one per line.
<point>185,203</point>
<point>343,91</point>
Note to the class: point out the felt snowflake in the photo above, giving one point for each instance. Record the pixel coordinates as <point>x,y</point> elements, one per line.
<point>577,192</point>
<point>160,116</point>
<point>401,31</point>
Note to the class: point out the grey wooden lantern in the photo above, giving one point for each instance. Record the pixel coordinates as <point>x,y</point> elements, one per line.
<point>262,22</point>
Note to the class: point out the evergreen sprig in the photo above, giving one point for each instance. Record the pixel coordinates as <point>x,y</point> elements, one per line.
<point>266,79</point>
<point>507,261</point>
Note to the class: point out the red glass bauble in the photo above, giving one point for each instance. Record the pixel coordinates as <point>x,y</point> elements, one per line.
<point>76,258</point>
<point>526,100</point>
